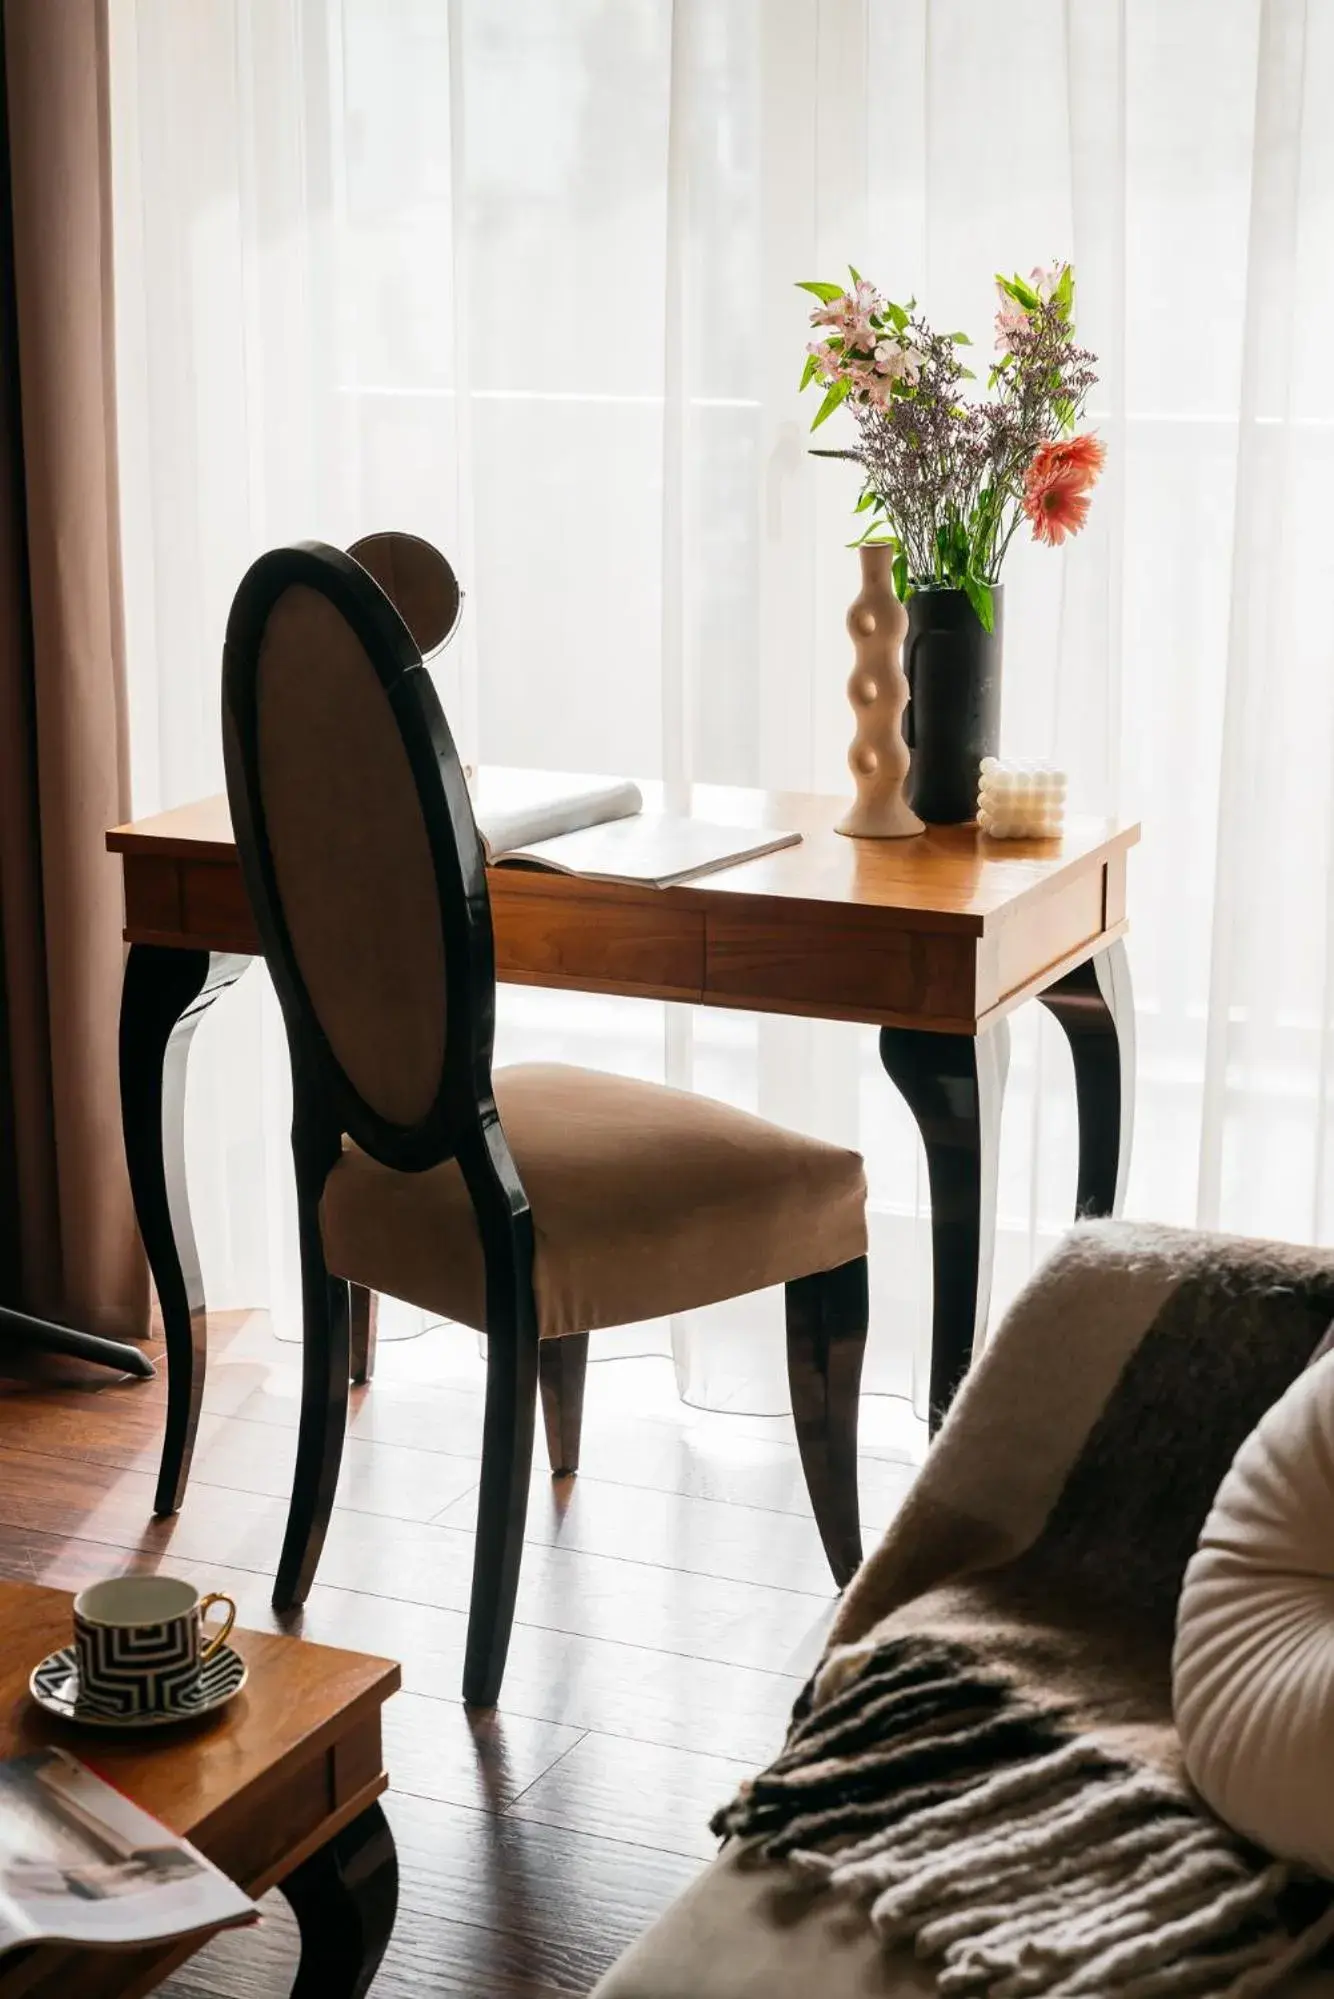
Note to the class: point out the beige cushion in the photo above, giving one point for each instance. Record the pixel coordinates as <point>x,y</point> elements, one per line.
<point>748,1932</point>
<point>1253,1673</point>
<point>645,1201</point>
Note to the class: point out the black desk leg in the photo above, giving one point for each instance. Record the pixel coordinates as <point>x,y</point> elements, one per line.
<point>165,996</point>
<point>345,1898</point>
<point>953,1084</point>
<point>1096,1007</point>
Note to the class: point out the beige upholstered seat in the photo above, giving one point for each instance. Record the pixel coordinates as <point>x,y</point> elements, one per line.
<point>645,1201</point>
<point>752,1932</point>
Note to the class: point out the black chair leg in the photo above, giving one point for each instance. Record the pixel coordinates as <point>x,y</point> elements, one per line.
<point>502,1509</point>
<point>562,1365</point>
<point>325,1368</point>
<point>365,1310</point>
<point>826,1340</point>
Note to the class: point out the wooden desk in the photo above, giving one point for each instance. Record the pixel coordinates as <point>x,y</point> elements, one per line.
<point>934,939</point>
<point>279,1790</point>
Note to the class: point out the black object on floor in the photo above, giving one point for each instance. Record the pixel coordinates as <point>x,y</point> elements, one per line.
<point>45,1337</point>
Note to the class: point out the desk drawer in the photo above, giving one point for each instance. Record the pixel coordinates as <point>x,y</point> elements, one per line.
<point>1041,933</point>
<point>840,964</point>
<point>648,944</point>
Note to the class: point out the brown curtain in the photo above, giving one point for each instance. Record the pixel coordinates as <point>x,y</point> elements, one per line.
<point>68,1245</point>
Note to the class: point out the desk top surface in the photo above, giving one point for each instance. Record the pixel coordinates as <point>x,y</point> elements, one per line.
<point>954,874</point>
<point>299,1698</point>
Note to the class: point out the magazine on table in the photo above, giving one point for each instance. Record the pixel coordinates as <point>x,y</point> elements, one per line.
<point>600,830</point>
<point>80,1864</point>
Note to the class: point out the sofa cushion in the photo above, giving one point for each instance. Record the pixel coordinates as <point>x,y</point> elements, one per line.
<point>1253,1670</point>
<point>749,1931</point>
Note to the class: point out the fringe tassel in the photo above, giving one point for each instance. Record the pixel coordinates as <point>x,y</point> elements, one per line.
<point>1024,1862</point>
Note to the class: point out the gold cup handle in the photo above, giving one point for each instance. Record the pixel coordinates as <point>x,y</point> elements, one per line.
<point>224,1632</point>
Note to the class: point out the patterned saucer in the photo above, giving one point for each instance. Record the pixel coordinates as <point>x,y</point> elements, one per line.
<point>54,1685</point>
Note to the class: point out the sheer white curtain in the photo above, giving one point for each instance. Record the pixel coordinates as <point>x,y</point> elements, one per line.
<point>518,275</point>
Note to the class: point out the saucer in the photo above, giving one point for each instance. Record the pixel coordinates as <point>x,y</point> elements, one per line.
<point>54,1685</point>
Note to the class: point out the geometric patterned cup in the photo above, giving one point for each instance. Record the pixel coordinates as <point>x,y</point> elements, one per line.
<point>140,1643</point>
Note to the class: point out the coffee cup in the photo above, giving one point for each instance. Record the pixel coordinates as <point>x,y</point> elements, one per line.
<point>141,1643</point>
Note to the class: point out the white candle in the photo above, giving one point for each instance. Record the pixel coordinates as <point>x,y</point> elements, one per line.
<point>1020,801</point>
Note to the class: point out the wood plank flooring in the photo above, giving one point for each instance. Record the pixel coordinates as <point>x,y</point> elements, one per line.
<point>673,1597</point>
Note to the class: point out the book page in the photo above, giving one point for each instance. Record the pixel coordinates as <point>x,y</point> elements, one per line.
<point>81,1864</point>
<point>569,805</point>
<point>658,849</point>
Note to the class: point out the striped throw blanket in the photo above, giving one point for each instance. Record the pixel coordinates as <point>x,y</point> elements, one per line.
<point>985,1759</point>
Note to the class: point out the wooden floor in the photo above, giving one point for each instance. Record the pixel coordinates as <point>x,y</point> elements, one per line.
<point>673,1597</point>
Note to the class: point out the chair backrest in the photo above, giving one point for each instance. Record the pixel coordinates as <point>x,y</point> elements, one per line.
<point>360,854</point>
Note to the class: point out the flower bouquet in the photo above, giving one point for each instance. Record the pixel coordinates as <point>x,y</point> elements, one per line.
<point>947,480</point>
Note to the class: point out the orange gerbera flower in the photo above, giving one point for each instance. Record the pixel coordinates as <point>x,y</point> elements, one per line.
<point>1085,455</point>
<point>1057,483</point>
<point>1057,504</point>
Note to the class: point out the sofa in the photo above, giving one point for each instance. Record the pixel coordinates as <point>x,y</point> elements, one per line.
<point>1125,1531</point>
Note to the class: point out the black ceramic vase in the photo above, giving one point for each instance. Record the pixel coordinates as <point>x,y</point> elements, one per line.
<point>952,719</point>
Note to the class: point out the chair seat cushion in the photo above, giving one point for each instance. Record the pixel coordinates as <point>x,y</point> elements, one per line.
<point>1253,1671</point>
<point>645,1201</point>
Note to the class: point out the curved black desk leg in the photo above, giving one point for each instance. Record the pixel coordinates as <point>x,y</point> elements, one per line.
<point>1096,1008</point>
<point>954,1084</point>
<point>344,1898</point>
<point>165,996</point>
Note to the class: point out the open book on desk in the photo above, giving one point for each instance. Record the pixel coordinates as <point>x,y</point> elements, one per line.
<point>602,833</point>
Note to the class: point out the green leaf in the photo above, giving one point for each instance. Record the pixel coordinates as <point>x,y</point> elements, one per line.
<point>831,402</point>
<point>868,499</point>
<point>856,274</point>
<point>1064,294</point>
<point>961,339</point>
<point>901,577</point>
<point>979,596</point>
<point>825,292</point>
<point>808,372</point>
<point>897,314</point>
<point>1021,293</point>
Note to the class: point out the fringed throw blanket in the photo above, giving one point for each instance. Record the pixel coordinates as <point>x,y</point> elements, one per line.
<point>985,1758</point>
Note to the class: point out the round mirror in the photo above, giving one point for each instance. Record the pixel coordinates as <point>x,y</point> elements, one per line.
<point>418,582</point>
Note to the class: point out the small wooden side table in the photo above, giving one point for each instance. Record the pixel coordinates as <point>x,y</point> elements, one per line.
<point>280,1790</point>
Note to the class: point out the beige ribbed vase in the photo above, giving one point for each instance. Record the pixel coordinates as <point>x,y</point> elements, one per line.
<point>878,758</point>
